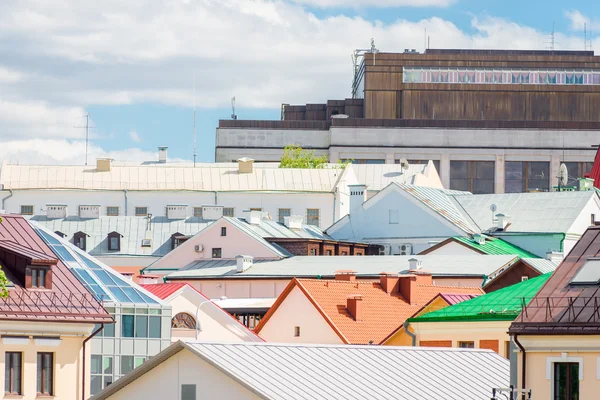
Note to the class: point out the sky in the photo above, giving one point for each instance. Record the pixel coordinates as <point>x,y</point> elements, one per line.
<point>138,67</point>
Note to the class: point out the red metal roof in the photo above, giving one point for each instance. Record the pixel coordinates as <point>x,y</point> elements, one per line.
<point>453,299</point>
<point>164,290</point>
<point>562,308</point>
<point>595,172</point>
<point>67,301</point>
<point>32,256</point>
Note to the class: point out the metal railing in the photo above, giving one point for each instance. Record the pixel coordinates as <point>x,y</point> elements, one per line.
<point>46,303</point>
<point>569,309</point>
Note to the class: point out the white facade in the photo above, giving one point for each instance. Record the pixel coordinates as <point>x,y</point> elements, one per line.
<point>443,145</point>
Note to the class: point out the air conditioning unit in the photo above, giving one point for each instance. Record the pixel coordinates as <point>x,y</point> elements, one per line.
<point>198,248</point>
<point>405,249</point>
<point>386,250</point>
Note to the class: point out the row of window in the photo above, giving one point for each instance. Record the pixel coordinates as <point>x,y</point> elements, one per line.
<point>102,369</point>
<point>13,373</point>
<point>500,76</point>
<point>114,211</point>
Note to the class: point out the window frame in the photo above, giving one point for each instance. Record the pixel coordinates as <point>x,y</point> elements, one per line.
<point>214,251</point>
<point>39,278</point>
<point>9,373</point>
<point>197,214</point>
<point>223,231</point>
<point>296,331</point>
<point>28,213</point>
<point>281,218</point>
<point>183,320</point>
<point>569,378</point>
<point>465,344</point>
<point>227,214</point>
<point>112,214</point>
<point>47,373</point>
<point>83,236</point>
<point>311,217</point>
<point>138,214</point>
<point>185,395</point>
<point>472,167</point>
<point>525,178</point>
<point>114,235</point>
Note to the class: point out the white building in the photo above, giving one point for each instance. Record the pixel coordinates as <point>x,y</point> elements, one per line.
<point>178,191</point>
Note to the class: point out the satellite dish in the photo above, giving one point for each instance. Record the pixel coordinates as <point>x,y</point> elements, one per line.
<point>563,175</point>
<point>404,163</point>
<point>493,208</point>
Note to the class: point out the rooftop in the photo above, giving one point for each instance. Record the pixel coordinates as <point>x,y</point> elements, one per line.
<point>494,246</point>
<point>301,371</point>
<point>503,304</point>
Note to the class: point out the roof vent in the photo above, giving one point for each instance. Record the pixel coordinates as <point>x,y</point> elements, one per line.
<point>293,221</point>
<point>56,211</point>
<point>103,164</point>
<point>89,212</point>
<point>414,264</point>
<point>503,221</point>
<point>212,213</point>
<point>177,211</point>
<point>245,165</point>
<point>162,154</point>
<point>254,217</point>
<point>243,263</point>
<point>479,239</point>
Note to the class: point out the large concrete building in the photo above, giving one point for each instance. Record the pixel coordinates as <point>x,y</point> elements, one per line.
<point>492,121</point>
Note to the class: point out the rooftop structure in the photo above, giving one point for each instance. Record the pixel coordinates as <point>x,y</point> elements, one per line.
<point>483,244</point>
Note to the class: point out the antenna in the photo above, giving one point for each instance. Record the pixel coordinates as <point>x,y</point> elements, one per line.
<point>194,83</point>
<point>563,176</point>
<point>551,43</point>
<point>585,40</point>
<point>374,50</point>
<point>87,134</point>
<point>425,39</point>
<point>233,115</point>
<point>356,54</point>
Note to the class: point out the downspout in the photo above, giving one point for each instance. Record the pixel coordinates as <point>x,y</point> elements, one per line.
<point>125,192</point>
<point>412,335</point>
<point>83,369</point>
<point>6,198</point>
<point>524,361</point>
<point>216,202</point>
<point>562,241</point>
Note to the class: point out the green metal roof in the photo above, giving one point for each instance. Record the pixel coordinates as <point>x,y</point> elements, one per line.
<point>502,305</point>
<point>495,246</point>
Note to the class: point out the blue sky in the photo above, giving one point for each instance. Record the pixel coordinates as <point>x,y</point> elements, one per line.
<point>131,66</point>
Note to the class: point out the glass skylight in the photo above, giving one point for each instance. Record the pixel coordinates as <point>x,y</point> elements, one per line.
<point>589,273</point>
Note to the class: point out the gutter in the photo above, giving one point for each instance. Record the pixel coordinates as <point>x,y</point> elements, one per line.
<point>524,361</point>
<point>412,335</point>
<point>6,198</point>
<point>83,368</point>
<point>562,241</point>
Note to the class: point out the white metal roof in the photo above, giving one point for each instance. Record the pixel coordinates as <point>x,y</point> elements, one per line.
<point>314,266</point>
<point>541,264</point>
<point>378,176</point>
<point>302,371</point>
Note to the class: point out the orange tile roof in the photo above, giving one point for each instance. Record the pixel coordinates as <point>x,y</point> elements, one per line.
<point>381,313</point>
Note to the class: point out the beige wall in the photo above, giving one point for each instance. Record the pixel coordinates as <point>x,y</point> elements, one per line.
<point>67,356</point>
<point>164,381</point>
<point>542,352</point>
<point>214,324</point>
<point>297,310</point>
<point>464,332</point>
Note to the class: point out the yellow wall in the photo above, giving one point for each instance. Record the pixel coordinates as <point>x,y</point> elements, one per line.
<point>67,357</point>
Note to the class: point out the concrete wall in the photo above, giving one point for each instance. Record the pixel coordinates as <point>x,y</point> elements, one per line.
<point>164,381</point>
<point>297,311</point>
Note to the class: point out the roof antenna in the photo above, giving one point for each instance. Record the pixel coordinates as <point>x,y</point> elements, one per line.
<point>194,79</point>
<point>87,134</point>
<point>585,39</point>
<point>233,114</point>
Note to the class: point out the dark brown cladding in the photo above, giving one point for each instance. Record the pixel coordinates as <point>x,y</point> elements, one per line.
<point>511,52</point>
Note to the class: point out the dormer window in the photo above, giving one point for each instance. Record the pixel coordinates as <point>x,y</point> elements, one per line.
<point>79,240</point>
<point>177,240</point>
<point>38,277</point>
<point>114,241</point>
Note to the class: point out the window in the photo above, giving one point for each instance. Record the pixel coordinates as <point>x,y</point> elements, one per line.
<point>466,345</point>
<point>223,231</point>
<point>126,364</point>
<point>114,241</point>
<point>177,239</point>
<point>79,240</point>
<point>282,213</point>
<point>183,321</point>
<point>188,392</point>
<point>141,211</point>
<point>312,216</point>
<point>328,252</point>
<point>45,373</point>
<point>394,216</point>
<point>141,326</point>
<point>526,176</point>
<point>344,253</point>
<point>476,177</point>
<point>228,212</point>
<point>127,323</point>
<point>297,331</point>
<point>38,277</point>
<point>566,381</point>
<point>524,278</point>
<point>216,252</point>
<point>13,362</point>
<point>198,212</point>
<point>577,170</point>
<point>26,210</point>
<point>112,211</point>
<point>313,252</point>
<point>139,361</point>
<point>154,327</point>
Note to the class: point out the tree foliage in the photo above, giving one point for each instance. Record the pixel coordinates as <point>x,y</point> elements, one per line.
<point>3,281</point>
<point>295,156</point>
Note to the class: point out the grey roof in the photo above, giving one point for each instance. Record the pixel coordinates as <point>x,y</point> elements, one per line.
<point>273,229</point>
<point>133,229</point>
<point>541,264</point>
<point>314,266</point>
<point>378,176</point>
<point>302,371</point>
<point>528,212</point>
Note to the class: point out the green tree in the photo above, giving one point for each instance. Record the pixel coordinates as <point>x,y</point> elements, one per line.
<point>3,280</point>
<point>295,156</point>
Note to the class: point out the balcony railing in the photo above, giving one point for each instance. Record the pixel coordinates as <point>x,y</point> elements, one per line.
<point>564,310</point>
<point>51,304</point>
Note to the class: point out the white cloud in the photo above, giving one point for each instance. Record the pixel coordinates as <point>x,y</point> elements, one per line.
<point>133,135</point>
<point>376,3</point>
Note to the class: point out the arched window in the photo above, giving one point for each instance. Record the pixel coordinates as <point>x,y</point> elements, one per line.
<point>183,321</point>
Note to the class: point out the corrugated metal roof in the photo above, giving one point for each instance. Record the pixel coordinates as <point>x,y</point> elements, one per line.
<point>453,299</point>
<point>495,246</point>
<point>541,264</point>
<point>163,290</point>
<point>273,229</point>
<point>528,212</point>
<point>315,266</point>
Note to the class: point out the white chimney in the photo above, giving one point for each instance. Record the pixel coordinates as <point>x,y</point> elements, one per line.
<point>162,154</point>
<point>555,256</point>
<point>479,239</point>
<point>245,165</point>
<point>254,217</point>
<point>358,195</point>
<point>243,263</point>
<point>414,264</point>
<point>293,221</point>
<point>503,221</point>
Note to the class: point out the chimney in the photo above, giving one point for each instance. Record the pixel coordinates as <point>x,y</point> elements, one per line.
<point>254,217</point>
<point>407,287</point>
<point>354,306</point>
<point>293,221</point>
<point>345,275</point>
<point>389,282</point>
<point>103,164</point>
<point>358,195</point>
<point>503,221</point>
<point>414,264</point>
<point>479,239</point>
<point>555,256</point>
<point>243,263</point>
<point>162,154</point>
<point>245,165</point>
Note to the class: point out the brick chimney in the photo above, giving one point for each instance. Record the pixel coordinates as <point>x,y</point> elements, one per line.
<point>407,287</point>
<point>354,306</point>
<point>345,275</point>
<point>389,282</point>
